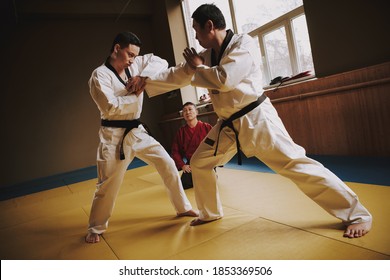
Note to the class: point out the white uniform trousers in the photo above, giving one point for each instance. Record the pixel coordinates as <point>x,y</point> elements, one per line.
<point>263,135</point>
<point>111,171</point>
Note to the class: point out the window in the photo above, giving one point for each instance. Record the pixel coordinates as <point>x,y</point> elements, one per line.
<point>302,44</point>
<point>251,14</point>
<point>189,6</point>
<point>285,46</point>
<point>278,25</point>
<point>276,52</point>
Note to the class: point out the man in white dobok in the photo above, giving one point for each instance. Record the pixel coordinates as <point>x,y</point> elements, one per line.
<point>122,136</point>
<point>228,68</point>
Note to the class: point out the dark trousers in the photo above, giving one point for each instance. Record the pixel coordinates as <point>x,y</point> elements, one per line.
<point>186,180</point>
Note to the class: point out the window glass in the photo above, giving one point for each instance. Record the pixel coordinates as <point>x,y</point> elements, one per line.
<point>302,43</point>
<point>278,26</point>
<point>259,55</point>
<point>251,14</point>
<point>189,6</point>
<point>277,53</point>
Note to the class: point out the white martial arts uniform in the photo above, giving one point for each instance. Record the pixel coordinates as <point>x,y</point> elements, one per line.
<point>114,103</point>
<point>233,84</point>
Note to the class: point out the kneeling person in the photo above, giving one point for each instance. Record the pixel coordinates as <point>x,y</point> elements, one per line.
<point>187,140</point>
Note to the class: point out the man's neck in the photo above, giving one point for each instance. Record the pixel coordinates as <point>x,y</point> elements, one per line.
<point>119,69</point>
<point>220,35</point>
<point>192,123</point>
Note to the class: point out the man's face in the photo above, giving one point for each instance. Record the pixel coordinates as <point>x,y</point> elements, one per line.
<point>201,34</point>
<point>127,55</point>
<point>189,113</point>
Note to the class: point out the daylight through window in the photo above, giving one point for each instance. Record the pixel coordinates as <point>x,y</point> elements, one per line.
<point>278,25</point>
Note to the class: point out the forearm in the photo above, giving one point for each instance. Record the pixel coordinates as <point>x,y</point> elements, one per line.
<point>110,104</point>
<point>171,79</point>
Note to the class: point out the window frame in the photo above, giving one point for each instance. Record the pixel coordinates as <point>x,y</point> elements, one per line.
<point>285,21</point>
<point>282,21</point>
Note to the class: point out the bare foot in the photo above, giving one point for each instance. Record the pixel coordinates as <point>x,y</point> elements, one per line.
<point>190,213</point>
<point>92,237</point>
<point>357,230</point>
<point>198,222</point>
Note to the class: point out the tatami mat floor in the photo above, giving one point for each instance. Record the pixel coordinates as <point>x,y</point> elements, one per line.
<point>266,217</point>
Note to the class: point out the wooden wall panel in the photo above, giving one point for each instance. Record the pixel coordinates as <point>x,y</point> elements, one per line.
<point>346,114</point>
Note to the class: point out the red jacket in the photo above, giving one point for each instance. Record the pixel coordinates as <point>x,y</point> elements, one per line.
<point>186,142</point>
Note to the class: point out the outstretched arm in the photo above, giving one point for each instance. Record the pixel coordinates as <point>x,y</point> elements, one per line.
<point>144,66</point>
<point>175,77</point>
<point>170,79</point>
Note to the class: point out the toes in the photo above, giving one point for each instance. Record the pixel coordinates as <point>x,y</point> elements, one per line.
<point>350,233</point>
<point>347,233</point>
<point>92,238</point>
<point>357,230</point>
<point>360,233</point>
<point>198,222</point>
<point>190,213</point>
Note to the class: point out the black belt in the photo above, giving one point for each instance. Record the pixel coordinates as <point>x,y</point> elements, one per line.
<point>237,115</point>
<point>129,125</point>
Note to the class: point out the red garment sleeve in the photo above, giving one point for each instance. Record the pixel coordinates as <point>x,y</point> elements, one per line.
<point>208,127</point>
<point>175,150</point>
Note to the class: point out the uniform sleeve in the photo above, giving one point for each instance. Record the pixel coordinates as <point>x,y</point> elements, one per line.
<point>175,151</point>
<point>149,65</point>
<point>108,102</point>
<point>233,68</point>
<point>173,78</point>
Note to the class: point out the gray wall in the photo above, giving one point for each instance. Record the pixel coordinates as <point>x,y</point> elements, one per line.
<point>347,35</point>
<point>49,120</point>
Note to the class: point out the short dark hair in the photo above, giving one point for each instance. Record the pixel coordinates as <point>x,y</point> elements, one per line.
<point>211,12</point>
<point>124,39</point>
<point>189,103</point>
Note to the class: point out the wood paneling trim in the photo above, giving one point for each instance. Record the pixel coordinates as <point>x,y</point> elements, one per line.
<point>346,114</point>
<point>332,90</point>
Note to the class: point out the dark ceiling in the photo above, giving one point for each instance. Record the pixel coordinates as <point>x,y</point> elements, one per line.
<point>21,9</point>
